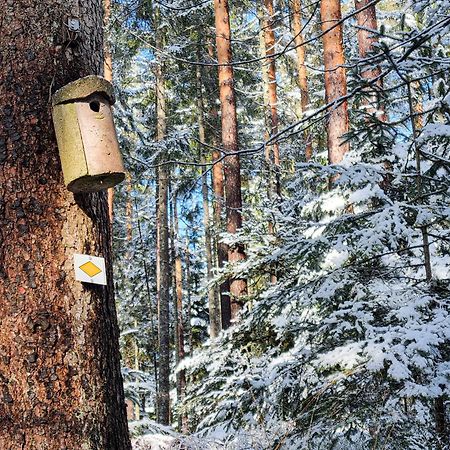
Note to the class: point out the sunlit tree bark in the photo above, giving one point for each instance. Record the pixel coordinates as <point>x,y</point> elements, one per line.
<point>60,379</point>
<point>233,199</point>
<point>335,79</point>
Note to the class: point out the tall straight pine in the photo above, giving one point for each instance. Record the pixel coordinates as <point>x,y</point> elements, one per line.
<point>162,257</point>
<point>335,79</point>
<point>302,79</point>
<point>273,150</point>
<point>232,167</point>
<point>367,43</point>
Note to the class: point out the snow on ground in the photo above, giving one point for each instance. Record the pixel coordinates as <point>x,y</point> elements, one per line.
<point>154,442</point>
<point>154,436</point>
<point>164,442</point>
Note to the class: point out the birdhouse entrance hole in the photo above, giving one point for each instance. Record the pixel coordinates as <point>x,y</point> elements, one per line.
<point>95,105</point>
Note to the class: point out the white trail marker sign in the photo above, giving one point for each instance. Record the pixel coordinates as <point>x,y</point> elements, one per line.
<point>89,269</point>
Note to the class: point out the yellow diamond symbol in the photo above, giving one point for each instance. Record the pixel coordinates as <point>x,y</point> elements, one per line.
<point>90,269</point>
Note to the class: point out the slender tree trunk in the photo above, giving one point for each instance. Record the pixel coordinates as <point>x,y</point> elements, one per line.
<point>107,59</point>
<point>215,320</point>
<point>163,400</point>
<point>129,218</point>
<point>238,286</point>
<point>188,292</point>
<point>272,151</point>
<point>137,412</point>
<point>302,78</point>
<point>153,345</point>
<point>60,379</point>
<point>416,111</point>
<point>108,74</point>
<point>222,248</point>
<point>335,79</point>
<point>218,205</point>
<point>179,335</point>
<point>367,20</point>
<point>213,300</point>
<point>128,261</point>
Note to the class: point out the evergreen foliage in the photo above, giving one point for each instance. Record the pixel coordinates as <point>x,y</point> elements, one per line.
<point>350,348</point>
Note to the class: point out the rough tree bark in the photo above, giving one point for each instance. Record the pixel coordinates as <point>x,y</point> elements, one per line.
<point>367,20</point>
<point>163,259</point>
<point>302,79</point>
<point>232,169</point>
<point>60,379</point>
<point>335,79</point>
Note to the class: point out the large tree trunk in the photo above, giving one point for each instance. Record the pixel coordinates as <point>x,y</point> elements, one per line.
<point>163,259</point>
<point>367,20</point>
<point>302,79</point>
<point>233,199</point>
<point>335,79</point>
<point>60,379</point>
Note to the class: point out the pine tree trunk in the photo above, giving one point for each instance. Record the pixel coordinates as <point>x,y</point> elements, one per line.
<point>213,301</point>
<point>189,299</point>
<point>108,74</point>
<point>129,218</point>
<point>179,335</point>
<point>273,150</point>
<point>60,379</point>
<point>302,79</point>
<point>218,205</point>
<point>137,412</point>
<point>232,169</point>
<point>163,259</point>
<point>222,248</point>
<point>367,20</point>
<point>335,79</point>
<point>128,261</point>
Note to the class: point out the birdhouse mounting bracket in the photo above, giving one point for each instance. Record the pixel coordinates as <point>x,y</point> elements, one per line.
<point>73,24</point>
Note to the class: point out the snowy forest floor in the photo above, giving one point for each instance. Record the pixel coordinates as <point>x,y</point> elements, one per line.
<point>160,437</point>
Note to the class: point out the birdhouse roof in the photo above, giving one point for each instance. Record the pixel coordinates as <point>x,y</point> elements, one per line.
<point>82,88</point>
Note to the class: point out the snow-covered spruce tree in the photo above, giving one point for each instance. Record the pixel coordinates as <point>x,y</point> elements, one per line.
<point>350,349</point>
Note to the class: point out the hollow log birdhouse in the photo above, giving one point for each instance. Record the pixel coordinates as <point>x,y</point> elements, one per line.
<point>86,136</point>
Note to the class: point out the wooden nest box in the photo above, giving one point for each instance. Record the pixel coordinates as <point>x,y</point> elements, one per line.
<point>86,136</point>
